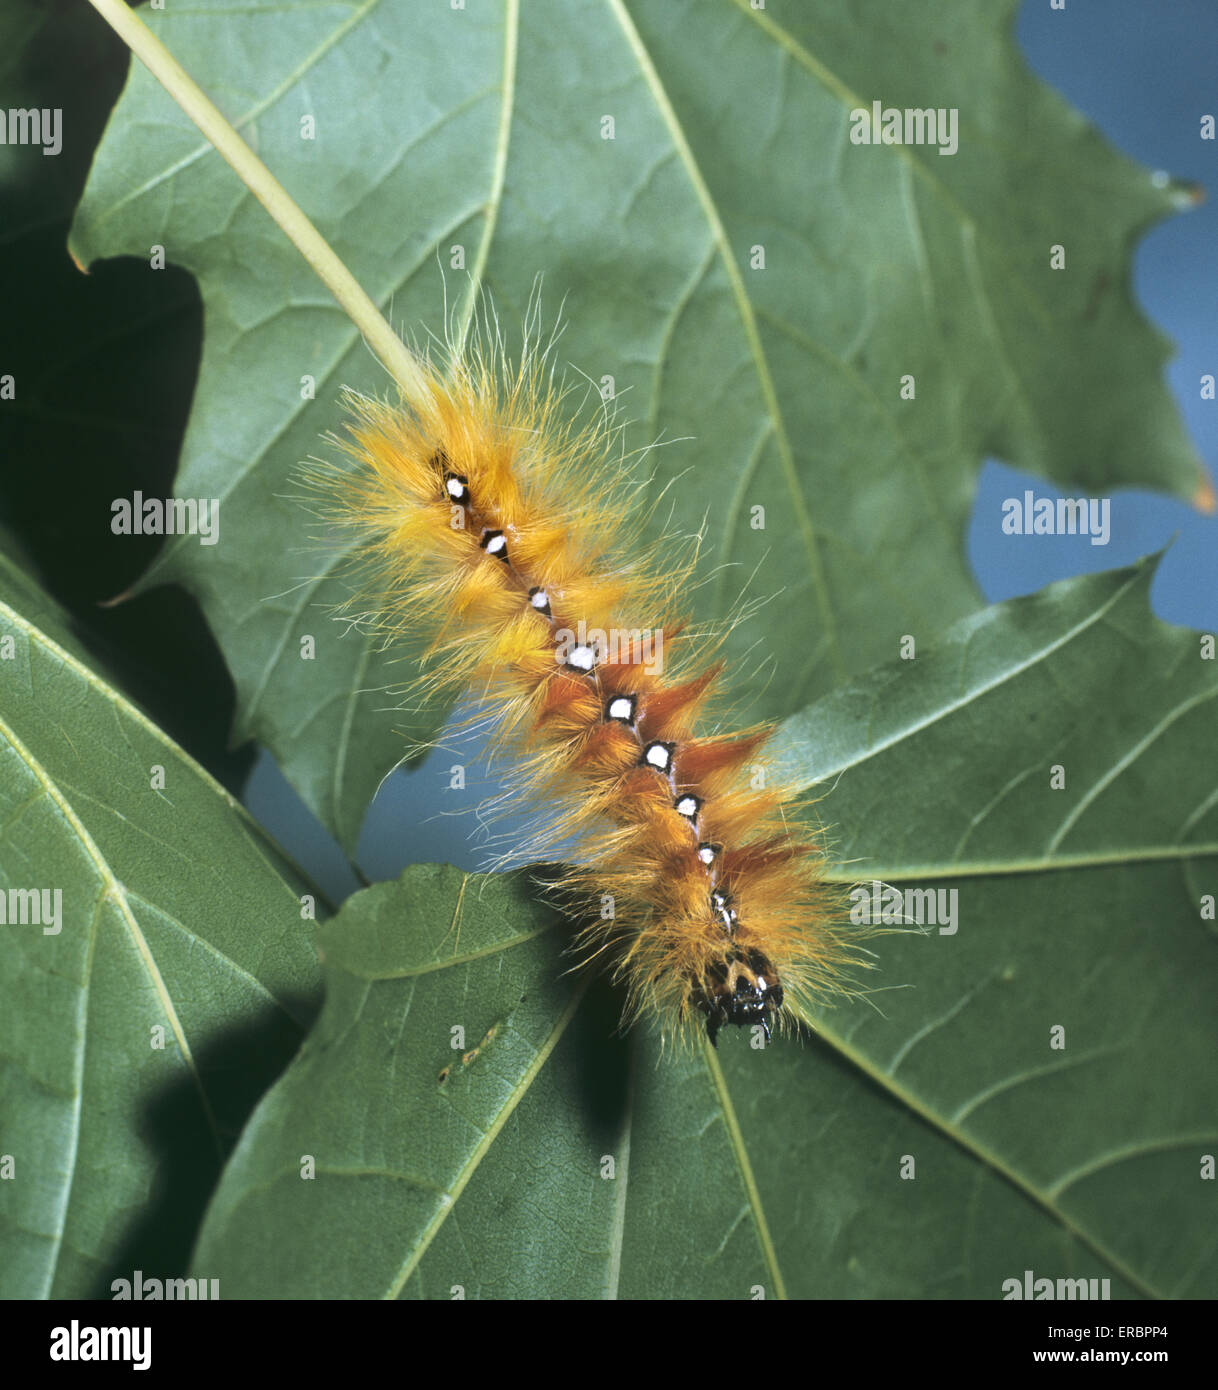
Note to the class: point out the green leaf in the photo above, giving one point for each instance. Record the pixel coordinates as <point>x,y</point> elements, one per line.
<point>103,369</point>
<point>437,128</point>
<point>479,1162</point>
<point>167,983</point>
<point>1078,676</point>
<point>1082,907</point>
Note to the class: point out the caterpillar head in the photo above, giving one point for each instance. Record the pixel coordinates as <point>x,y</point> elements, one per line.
<point>744,990</point>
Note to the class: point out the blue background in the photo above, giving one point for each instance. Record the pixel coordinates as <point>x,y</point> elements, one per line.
<point>1145,71</point>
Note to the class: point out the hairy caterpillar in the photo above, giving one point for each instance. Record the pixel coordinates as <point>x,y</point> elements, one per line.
<point>503,528</point>
<point>504,531</point>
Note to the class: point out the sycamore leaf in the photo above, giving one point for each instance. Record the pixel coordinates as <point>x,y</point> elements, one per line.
<point>156,971</point>
<point>1030,1085</point>
<point>842,330</point>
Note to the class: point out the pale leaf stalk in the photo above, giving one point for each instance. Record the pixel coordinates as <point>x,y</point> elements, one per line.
<point>388,347</point>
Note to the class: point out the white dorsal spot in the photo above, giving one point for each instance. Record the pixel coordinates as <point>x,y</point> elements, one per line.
<point>658,755</point>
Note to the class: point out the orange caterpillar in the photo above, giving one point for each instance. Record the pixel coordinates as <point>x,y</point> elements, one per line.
<point>502,528</point>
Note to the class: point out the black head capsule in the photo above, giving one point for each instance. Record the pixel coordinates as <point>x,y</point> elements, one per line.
<point>743,990</point>
<point>748,1006</point>
<point>495,543</point>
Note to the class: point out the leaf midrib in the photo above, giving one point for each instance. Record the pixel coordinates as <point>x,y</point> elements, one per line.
<point>744,1164</point>
<point>983,1154</point>
<point>260,838</point>
<point>748,320</point>
<point>851,100</point>
<point>469,1167</point>
<point>1008,673</point>
<point>112,892</point>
